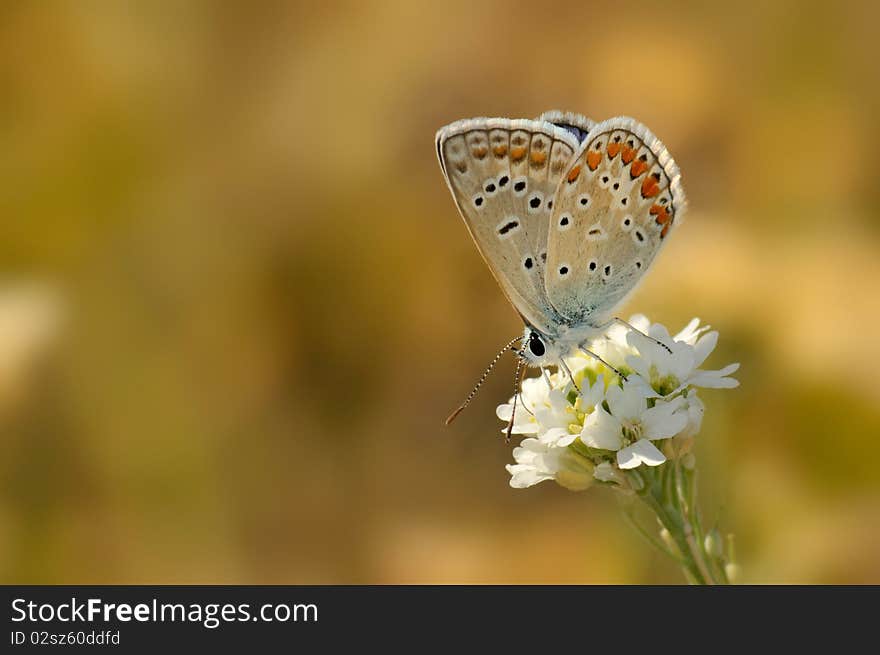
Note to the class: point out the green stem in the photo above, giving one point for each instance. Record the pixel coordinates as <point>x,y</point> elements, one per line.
<point>652,541</point>
<point>690,522</point>
<point>669,491</point>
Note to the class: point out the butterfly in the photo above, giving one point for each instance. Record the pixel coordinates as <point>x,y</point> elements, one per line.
<point>568,214</point>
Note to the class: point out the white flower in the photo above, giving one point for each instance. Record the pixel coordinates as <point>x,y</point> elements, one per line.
<point>537,461</point>
<point>631,425</point>
<point>695,410</point>
<point>666,372</point>
<point>599,433</point>
<point>545,411</point>
<point>534,393</point>
<point>689,334</point>
<point>590,397</point>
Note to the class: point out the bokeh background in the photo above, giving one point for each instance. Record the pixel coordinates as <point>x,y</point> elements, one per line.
<point>238,301</point>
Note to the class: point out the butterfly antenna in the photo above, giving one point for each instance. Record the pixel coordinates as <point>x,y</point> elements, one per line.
<point>482,379</point>
<point>516,383</point>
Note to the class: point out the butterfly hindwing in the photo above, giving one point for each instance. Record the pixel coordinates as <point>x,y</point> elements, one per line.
<point>503,174</point>
<point>613,209</point>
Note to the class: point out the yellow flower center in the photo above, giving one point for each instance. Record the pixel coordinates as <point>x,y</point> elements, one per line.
<point>631,431</point>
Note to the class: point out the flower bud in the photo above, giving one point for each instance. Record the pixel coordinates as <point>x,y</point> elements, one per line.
<point>575,471</point>
<point>607,472</point>
<point>712,543</point>
<point>682,445</point>
<point>732,571</point>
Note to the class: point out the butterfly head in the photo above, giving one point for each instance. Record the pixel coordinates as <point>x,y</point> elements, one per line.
<point>537,348</point>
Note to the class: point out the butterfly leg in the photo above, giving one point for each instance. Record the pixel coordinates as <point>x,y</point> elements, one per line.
<point>546,377</point>
<point>595,356</point>
<point>570,375</point>
<point>517,387</point>
<point>619,320</point>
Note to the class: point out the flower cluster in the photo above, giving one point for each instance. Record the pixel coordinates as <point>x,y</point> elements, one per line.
<point>598,425</point>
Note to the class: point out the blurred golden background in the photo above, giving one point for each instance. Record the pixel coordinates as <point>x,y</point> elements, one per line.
<point>239,301</point>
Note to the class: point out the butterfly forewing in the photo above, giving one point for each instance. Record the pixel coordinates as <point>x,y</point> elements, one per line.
<point>577,124</point>
<point>503,174</point>
<point>613,209</point>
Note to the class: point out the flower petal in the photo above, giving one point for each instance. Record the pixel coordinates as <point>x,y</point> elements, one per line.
<point>715,379</point>
<point>641,452</point>
<point>558,437</point>
<point>689,331</point>
<point>704,347</point>
<point>640,364</point>
<point>522,476</point>
<point>605,472</point>
<point>524,423</point>
<point>643,386</point>
<point>665,420</point>
<point>602,430</point>
<point>628,402</point>
<point>640,322</point>
<point>593,395</point>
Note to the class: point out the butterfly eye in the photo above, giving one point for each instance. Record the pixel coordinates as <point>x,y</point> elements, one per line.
<point>536,345</point>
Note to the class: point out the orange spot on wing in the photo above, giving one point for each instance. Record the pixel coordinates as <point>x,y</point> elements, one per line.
<point>500,151</point>
<point>637,168</point>
<point>573,174</point>
<point>479,153</point>
<point>538,158</point>
<point>516,154</point>
<point>628,154</point>
<point>660,212</point>
<point>665,230</point>
<point>650,188</point>
<point>593,159</point>
<point>613,149</point>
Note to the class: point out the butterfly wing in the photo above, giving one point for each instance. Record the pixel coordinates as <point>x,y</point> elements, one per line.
<point>578,124</point>
<point>613,210</point>
<point>503,174</point>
